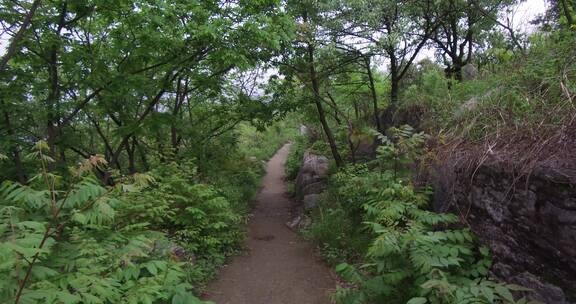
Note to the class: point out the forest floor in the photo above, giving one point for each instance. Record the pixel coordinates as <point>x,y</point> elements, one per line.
<point>277,267</point>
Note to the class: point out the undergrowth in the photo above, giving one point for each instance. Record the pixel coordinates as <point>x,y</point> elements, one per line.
<point>530,96</point>
<point>262,144</point>
<point>153,237</point>
<point>398,251</point>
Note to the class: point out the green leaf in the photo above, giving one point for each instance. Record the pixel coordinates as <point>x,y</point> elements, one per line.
<point>67,298</point>
<point>186,298</point>
<point>418,300</point>
<point>151,268</point>
<point>505,293</point>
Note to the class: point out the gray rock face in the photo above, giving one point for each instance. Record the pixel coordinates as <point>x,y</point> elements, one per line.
<point>528,222</point>
<point>311,201</point>
<point>311,177</point>
<point>469,72</point>
<point>299,222</point>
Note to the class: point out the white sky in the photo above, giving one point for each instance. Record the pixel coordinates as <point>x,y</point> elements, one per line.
<point>521,15</point>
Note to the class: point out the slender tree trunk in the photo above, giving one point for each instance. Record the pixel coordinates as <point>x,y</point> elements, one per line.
<point>351,143</point>
<point>53,98</point>
<point>108,148</point>
<point>321,114</point>
<point>388,115</point>
<point>20,172</point>
<point>175,115</point>
<point>130,149</point>
<point>142,154</point>
<point>567,12</point>
<point>13,47</point>
<point>457,65</point>
<point>373,91</point>
<point>394,80</point>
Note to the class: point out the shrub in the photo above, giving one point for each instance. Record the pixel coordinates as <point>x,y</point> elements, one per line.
<point>67,244</point>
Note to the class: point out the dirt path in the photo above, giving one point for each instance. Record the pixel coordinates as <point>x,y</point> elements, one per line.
<point>278,267</point>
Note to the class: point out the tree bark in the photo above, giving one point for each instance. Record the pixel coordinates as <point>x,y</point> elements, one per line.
<point>373,91</point>
<point>53,99</point>
<point>319,108</point>
<point>142,154</point>
<point>13,47</point>
<point>180,93</point>
<point>567,13</point>
<point>20,172</point>
<point>130,149</point>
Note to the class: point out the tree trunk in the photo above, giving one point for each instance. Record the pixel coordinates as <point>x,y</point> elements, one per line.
<point>394,80</point>
<point>20,173</point>
<point>321,114</point>
<point>53,98</point>
<point>142,155</point>
<point>13,47</point>
<point>457,65</point>
<point>373,91</point>
<point>175,116</point>
<point>130,148</point>
<point>567,12</point>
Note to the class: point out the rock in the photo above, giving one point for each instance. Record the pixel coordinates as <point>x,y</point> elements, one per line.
<point>529,223</point>
<point>303,130</point>
<point>314,188</point>
<point>315,164</point>
<point>312,175</point>
<point>299,222</point>
<point>547,293</point>
<point>469,72</point>
<point>365,147</point>
<point>311,201</point>
<point>294,222</point>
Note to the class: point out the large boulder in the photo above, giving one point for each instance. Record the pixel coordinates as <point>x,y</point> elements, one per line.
<point>303,130</point>
<point>527,219</point>
<point>469,72</point>
<point>311,177</point>
<point>311,201</point>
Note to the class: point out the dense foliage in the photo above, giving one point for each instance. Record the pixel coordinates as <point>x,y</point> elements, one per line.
<point>423,254</point>
<point>147,239</point>
<point>132,135</point>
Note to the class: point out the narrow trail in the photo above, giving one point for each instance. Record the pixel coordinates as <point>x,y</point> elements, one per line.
<point>277,267</point>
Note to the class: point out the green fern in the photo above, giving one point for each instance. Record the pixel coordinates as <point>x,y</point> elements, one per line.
<point>416,256</point>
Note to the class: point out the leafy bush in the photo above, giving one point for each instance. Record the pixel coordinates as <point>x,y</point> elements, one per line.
<point>68,244</point>
<point>294,160</point>
<point>151,238</point>
<point>262,144</point>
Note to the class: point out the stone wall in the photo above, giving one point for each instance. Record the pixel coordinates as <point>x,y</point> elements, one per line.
<point>528,221</point>
<point>311,179</point>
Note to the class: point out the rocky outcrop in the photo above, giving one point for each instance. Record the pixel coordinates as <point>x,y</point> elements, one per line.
<point>469,72</point>
<point>311,179</point>
<point>528,221</point>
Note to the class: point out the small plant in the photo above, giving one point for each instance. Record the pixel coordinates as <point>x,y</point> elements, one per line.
<point>401,149</point>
